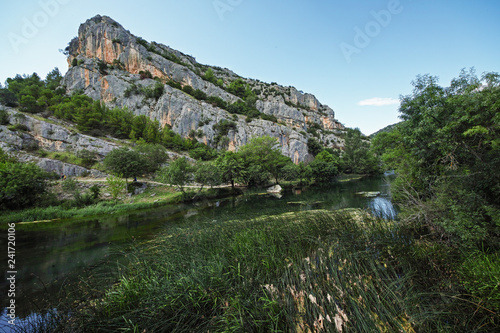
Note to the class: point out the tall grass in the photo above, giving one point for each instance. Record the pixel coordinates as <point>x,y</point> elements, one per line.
<point>305,271</point>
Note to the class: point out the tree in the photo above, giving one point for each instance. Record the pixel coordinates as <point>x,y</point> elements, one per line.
<point>88,157</point>
<point>450,138</point>
<point>207,173</point>
<point>324,167</point>
<point>357,157</point>
<point>209,76</point>
<point>7,97</point>
<point>178,173</point>
<point>21,184</point>
<point>313,146</point>
<point>116,185</point>
<point>124,162</point>
<point>230,165</point>
<point>153,156</point>
<point>264,153</point>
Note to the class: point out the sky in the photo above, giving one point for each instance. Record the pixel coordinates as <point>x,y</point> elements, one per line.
<point>356,56</point>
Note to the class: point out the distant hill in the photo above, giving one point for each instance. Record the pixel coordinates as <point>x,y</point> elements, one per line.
<point>386,129</point>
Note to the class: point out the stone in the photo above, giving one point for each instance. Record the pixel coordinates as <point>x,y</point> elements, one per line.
<point>274,189</point>
<point>368,194</point>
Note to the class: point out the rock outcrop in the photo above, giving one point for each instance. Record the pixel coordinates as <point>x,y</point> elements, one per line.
<point>30,133</point>
<point>107,62</point>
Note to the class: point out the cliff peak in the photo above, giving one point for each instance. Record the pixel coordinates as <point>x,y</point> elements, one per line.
<point>110,64</point>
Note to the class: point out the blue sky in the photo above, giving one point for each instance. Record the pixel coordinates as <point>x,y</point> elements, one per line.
<point>356,56</point>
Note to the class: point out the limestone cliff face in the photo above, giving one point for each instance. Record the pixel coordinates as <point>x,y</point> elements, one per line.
<point>106,60</point>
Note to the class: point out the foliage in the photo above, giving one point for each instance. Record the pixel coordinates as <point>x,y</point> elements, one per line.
<point>209,76</point>
<point>22,184</point>
<point>116,185</point>
<point>262,159</point>
<point>188,90</point>
<point>313,146</point>
<point>357,156</point>
<point>31,93</point>
<point>207,173</point>
<point>145,75</point>
<point>125,162</point>
<point>202,152</point>
<point>95,190</point>
<point>230,165</point>
<point>448,149</point>
<point>102,67</point>
<point>88,157</point>
<point>222,129</point>
<point>153,156</point>
<point>177,173</point>
<point>324,168</point>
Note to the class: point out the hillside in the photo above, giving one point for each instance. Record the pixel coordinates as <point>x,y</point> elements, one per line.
<point>110,64</point>
<point>150,89</point>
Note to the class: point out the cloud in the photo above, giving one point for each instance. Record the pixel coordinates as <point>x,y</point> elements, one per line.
<point>378,101</point>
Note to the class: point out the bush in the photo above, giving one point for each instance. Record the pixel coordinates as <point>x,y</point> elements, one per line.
<point>18,127</point>
<point>145,75</point>
<point>102,67</point>
<point>4,117</point>
<point>174,84</point>
<point>268,117</point>
<point>88,157</point>
<point>22,184</point>
<point>188,90</point>
<point>199,95</point>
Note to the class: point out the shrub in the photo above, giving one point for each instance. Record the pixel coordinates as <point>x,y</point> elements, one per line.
<point>188,90</point>
<point>102,66</point>
<point>145,75</point>
<point>174,84</point>
<point>199,95</point>
<point>18,127</point>
<point>4,117</point>
<point>22,184</point>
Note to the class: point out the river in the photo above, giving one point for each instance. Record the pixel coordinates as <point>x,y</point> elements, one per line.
<point>47,254</point>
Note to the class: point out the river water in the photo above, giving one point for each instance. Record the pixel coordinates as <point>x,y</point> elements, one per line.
<point>49,253</point>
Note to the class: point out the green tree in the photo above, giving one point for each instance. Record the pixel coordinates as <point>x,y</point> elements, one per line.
<point>209,76</point>
<point>357,156</point>
<point>207,173</point>
<point>265,153</point>
<point>88,157</point>
<point>230,165</point>
<point>178,173</point>
<point>22,185</point>
<point>124,162</point>
<point>314,147</point>
<point>116,185</point>
<point>450,140</point>
<point>324,168</point>
<point>153,156</point>
<point>238,88</point>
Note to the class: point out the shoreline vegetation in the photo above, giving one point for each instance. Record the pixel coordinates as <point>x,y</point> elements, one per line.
<point>155,195</point>
<point>306,271</point>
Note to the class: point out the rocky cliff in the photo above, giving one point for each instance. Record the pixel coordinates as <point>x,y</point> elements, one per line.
<point>107,62</point>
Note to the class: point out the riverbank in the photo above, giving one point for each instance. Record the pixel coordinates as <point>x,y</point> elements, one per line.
<point>154,195</point>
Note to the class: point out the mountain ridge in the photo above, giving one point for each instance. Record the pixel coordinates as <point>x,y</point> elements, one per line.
<point>110,64</point>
